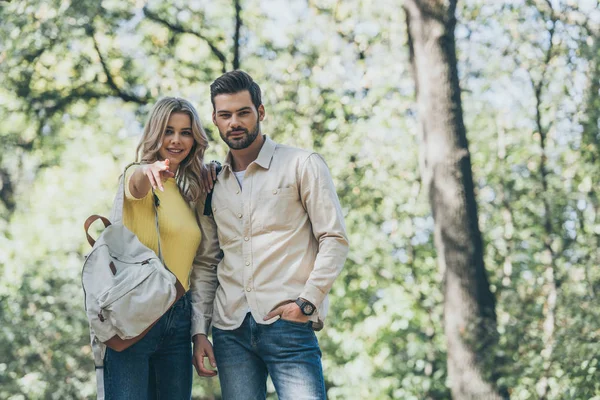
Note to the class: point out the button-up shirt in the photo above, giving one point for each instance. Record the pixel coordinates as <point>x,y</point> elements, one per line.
<point>280,238</point>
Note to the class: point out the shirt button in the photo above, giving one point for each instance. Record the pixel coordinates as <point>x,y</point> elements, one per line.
<point>214,209</point>
<point>246,238</point>
<point>248,289</point>
<point>275,191</point>
<point>239,215</point>
<point>247,263</point>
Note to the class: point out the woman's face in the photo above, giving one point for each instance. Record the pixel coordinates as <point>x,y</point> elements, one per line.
<point>178,140</point>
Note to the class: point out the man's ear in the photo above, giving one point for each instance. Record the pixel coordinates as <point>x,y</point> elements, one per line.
<point>261,112</point>
<point>214,118</point>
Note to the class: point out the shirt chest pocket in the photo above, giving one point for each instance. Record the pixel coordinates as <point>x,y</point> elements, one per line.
<point>227,229</point>
<point>279,210</point>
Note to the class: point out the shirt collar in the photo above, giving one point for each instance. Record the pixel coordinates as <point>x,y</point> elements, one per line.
<point>265,156</point>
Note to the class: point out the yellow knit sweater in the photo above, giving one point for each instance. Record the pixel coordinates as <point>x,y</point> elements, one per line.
<point>179,232</point>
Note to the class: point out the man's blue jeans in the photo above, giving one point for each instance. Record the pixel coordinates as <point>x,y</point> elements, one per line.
<point>157,367</point>
<point>286,350</point>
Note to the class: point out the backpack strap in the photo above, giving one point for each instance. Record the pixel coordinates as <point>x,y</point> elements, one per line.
<point>88,222</point>
<point>98,351</point>
<point>116,214</point>
<point>208,202</point>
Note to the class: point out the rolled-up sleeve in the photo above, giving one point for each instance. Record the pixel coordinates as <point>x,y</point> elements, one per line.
<point>322,205</point>
<point>203,277</point>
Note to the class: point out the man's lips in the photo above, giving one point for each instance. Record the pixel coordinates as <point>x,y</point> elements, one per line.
<point>237,133</point>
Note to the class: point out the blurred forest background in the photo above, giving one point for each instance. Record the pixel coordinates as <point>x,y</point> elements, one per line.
<point>77,79</point>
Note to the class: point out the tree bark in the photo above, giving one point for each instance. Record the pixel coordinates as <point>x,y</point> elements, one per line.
<point>469,305</point>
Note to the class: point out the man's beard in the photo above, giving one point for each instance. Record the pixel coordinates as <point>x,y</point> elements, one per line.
<point>246,141</point>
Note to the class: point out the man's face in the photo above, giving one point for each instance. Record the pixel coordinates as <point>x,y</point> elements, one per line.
<point>237,119</point>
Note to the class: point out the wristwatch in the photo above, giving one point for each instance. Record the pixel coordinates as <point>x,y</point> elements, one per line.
<point>306,306</point>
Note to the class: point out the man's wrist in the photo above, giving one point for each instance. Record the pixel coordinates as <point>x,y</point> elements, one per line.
<point>312,294</point>
<point>306,307</point>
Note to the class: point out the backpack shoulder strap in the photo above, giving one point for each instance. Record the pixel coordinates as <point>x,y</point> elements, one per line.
<point>208,202</point>
<point>116,213</point>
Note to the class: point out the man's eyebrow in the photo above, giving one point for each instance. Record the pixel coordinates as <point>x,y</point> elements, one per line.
<point>247,108</point>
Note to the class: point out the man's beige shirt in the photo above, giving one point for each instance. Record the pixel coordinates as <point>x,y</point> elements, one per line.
<point>280,238</point>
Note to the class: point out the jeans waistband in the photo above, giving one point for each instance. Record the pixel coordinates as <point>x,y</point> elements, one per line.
<point>184,300</point>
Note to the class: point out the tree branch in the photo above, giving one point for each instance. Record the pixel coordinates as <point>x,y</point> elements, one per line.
<point>82,92</point>
<point>125,96</point>
<point>236,36</point>
<point>152,16</point>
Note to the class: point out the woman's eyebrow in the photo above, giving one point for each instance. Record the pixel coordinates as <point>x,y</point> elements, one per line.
<point>183,129</point>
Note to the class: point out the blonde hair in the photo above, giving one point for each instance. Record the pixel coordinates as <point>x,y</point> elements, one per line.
<point>189,173</point>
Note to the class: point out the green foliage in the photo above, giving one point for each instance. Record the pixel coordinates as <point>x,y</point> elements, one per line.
<point>77,78</point>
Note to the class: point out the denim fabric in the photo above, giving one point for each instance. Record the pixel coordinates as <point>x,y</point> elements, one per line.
<point>157,367</point>
<point>286,350</point>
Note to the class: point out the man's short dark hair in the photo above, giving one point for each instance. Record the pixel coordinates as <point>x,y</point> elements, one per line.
<point>234,82</point>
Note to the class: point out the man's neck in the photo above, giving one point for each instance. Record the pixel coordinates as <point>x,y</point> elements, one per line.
<point>244,157</point>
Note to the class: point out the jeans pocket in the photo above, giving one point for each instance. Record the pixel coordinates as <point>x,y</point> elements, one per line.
<point>296,323</point>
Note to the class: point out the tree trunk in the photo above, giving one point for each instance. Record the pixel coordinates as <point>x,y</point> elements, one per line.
<point>469,306</point>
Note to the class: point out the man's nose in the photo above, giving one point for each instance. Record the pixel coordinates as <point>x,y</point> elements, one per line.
<point>233,122</point>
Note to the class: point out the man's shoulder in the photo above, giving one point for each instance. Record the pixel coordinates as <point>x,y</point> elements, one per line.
<point>291,152</point>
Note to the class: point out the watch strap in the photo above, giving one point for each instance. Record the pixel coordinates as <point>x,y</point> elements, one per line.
<point>303,303</point>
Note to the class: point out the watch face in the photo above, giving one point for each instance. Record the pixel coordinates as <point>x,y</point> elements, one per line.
<point>308,309</point>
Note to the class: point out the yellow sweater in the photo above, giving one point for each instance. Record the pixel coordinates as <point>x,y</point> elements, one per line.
<point>179,231</point>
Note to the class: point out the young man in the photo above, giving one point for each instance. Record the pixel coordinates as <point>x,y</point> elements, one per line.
<point>270,253</point>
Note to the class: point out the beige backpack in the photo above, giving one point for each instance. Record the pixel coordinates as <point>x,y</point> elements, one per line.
<point>127,287</point>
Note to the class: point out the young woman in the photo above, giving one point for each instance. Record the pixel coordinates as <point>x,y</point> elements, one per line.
<point>172,151</point>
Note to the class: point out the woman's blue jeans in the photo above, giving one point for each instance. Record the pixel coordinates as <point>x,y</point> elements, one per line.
<point>159,366</point>
<point>288,351</point>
